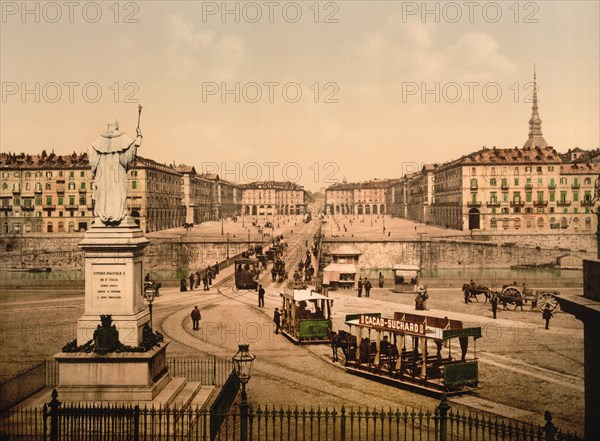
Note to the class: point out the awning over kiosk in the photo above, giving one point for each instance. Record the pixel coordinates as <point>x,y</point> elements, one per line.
<point>332,271</point>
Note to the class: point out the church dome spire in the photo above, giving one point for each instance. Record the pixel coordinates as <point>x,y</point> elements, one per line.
<point>536,139</point>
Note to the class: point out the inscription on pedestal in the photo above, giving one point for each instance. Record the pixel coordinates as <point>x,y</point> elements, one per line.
<point>108,284</point>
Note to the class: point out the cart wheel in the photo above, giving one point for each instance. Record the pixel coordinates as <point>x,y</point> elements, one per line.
<point>547,298</point>
<point>512,291</point>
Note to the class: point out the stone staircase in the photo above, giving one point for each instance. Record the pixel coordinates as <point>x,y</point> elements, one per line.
<point>180,392</point>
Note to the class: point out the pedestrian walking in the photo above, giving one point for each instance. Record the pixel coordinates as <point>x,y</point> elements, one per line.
<point>381,279</point>
<point>191,281</point>
<point>494,303</point>
<point>205,282</point>
<point>216,268</point>
<point>547,315</point>
<point>277,320</point>
<point>368,287</point>
<point>182,285</point>
<point>261,296</point>
<point>196,318</point>
<point>360,286</point>
<point>198,279</point>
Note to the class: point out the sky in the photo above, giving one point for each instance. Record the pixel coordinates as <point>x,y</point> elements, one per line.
<point>311,92</point>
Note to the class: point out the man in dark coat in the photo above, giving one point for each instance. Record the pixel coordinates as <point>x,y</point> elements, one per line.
<point>261,296</point>
<point>196,318</point>
<point>360,287</point>
<point>368,288</point>
<point>547,315</point>
<point>494,303</point>
<point>277,320</point>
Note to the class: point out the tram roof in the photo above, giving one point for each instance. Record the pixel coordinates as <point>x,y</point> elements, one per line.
<point>299,295</point>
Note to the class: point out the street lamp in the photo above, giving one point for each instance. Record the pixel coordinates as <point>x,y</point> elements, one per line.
<point>149,294</point>
<point>243,361</point>
<point>227,246</point>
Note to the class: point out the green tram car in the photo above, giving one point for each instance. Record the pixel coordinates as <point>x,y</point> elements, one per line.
<point>247,272</point>
<point>306,316</point>
<point>415,351</point>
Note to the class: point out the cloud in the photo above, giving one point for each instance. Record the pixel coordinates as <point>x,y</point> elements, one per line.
<point>194,51</point>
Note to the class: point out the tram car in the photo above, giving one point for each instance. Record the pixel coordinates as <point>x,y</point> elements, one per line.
<point>247,272</point>
<point>306,316</point>
<point>414,351</point>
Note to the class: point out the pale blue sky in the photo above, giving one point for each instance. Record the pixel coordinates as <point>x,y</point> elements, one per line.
<point>374,52</point>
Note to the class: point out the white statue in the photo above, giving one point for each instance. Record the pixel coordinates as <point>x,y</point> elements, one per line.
<point>110,156</point>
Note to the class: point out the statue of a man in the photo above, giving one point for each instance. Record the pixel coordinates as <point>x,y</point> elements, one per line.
<point>110,156</point>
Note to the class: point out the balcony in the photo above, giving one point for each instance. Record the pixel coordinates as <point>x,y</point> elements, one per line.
<point>474,187</point>
<point>82,190</point>
<point>528,186</point>
<point>575,185</point>
<point>473,204</point>
<point>540,203</point>
<point>49,207</point>
<point>16,191</point>
<point>60,188</point>
<point>493,204</point>
<point>517,203</point>
<point>563,203</point>
<point>504,186</point>
<point>587,203</point>
<point>6,207</point>
<point>138,207</point>
<point>27,207</point>
<point>71,207</point>
<point>551,185</point>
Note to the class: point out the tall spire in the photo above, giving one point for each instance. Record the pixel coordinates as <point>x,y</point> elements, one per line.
<point>536,139</point>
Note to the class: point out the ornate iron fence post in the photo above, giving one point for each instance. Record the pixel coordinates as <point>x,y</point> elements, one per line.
<point>549,428</point>
<point>443,408</point>
<point>136,423</point>
<point>54,404</point>
<point>343,424</point>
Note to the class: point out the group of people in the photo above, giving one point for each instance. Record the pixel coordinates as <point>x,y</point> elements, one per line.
<point>207,277</point>
<point>366,284</point>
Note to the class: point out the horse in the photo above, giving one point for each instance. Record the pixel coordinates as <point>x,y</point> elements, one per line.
<point>472,292</point>
<point>341,339</point>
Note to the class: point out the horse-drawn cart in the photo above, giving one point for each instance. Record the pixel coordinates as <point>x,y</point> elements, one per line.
<point>538,298</point>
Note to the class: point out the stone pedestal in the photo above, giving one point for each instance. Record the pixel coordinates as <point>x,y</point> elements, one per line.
<point>114,281</point>
<point>126,376</point>
<point>113,286</point>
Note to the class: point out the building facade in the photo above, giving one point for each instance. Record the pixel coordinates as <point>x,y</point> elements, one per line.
<point>273,198</point>
<point>359,198</point>
<point>45,193</point>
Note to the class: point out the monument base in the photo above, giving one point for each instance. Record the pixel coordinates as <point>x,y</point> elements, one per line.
<point>129,327</point>
<point>125,376</point>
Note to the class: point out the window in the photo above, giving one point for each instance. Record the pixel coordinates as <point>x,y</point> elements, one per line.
<point>587,180</point>
<point>493,182</point>
<point>494,223</point>
<point>71,186</point>
<point>82,174</point>
<point>517,224</point>
<point>540,181</point>
<point>48,200</point>
<point>82,186</point>
<point>539,169</point>
<point>563,196</point>
<point>551,196</point>
<point>517,196</point>
<point>505,197</point>
<point>575,196</point>
<point>60,200</point>
<point>134,184</point>
<point>71,200</point>
<point>563,181</point>
<point>493,197</point>
<point>528,196</point>
<point>82,200</point>
<point>540,196</point>
<point>516,181</point>
<point>38,200</point>
<point>48,186</point>
<point>551,168</point>
<point>17,175</point>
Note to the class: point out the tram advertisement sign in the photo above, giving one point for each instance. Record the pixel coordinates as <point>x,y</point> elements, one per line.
<point>393,325</point>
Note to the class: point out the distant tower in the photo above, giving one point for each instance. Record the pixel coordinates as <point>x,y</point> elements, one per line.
<point>536,139</point>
